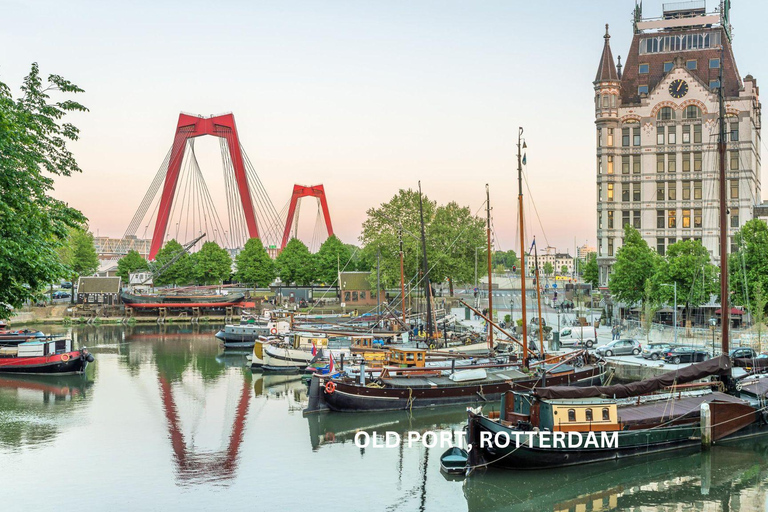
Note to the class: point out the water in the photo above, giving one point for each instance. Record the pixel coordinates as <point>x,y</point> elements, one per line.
<point>164,421</point>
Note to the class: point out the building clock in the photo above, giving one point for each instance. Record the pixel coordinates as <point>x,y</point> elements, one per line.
<point>678,88</point>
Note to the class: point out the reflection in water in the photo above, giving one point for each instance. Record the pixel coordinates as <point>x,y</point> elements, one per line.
<point>730,477</point>
<point>32,408</point>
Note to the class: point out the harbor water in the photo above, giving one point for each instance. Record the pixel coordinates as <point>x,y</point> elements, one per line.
<point>165,420</point>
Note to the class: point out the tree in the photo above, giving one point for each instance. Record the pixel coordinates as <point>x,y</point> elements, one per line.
<point>212,264</point>
<point>332,256</point>
<point>356,261</point>
<point>564,270</point>
<point>757,309</point>
<point>295,264</point>
<point>548,268</point>
<point>254,264</point>
<point>81,255</point>
<point>687,264</point>
<point>506,258</point>
<point>650,306</point>
<point>591,272</point>
<point>181,272</point>
<point>635,264</point>
<point>33,149</point>
<point>749,266</point>
<point>131,262</point>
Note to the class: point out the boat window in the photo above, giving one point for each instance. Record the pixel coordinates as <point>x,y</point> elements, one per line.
<point>571,415</point>
<point>589,414</point>
<point>606,414</point>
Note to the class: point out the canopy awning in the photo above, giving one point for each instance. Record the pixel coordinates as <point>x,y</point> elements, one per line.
<point>734,311</point>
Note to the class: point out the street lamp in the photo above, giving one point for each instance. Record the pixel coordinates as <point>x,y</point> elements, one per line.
<point>675,316</point>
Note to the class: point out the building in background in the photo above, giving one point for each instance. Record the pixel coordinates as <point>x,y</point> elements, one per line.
<point>584,251</point>
<point>550,255</point>
<point>657,133</point>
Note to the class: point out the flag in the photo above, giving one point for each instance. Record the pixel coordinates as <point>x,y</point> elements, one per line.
<point>532,246</point>
<point>314,349</point>
<point>525,162</point>
<point>331,365</point>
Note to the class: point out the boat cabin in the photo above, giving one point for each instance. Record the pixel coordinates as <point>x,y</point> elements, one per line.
<point>562,415</point>
<point>406,357</point>
<point>38,348</point>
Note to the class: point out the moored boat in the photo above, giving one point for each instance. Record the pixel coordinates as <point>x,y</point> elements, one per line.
<point>44,357</point>
<point>245,334</point>
<point>171,299</point>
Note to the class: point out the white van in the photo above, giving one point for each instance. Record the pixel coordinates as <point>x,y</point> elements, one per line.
<point>582,336</point>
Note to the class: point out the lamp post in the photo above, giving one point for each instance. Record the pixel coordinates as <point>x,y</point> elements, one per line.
<point>675,314</point>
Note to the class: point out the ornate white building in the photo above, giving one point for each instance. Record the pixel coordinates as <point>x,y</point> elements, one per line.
<point>657,133</point>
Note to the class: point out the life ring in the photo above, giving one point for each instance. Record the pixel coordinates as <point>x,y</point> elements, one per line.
<point>330,387</point>
<point>273,330</point>
<point>431,346</point>
<point>64,357</point>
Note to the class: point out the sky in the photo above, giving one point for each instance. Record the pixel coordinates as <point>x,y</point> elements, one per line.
<point>365,97</point>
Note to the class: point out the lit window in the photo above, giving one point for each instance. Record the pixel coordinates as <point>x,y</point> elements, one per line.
<point>642,89</point>
<point>643,69</point>
<point>610,137</point>
<point>571,415</point>
<point>691,64</point>
<point>610,192</point>
<point>686,218</point>
<point>668,66</point>
<point>610,164</point>
<point>714,63</point>
<point>672,218</point>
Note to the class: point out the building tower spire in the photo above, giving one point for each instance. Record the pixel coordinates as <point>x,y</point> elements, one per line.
<point>606,71</point>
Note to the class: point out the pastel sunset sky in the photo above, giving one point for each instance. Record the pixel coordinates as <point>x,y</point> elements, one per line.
<point>365,97</point>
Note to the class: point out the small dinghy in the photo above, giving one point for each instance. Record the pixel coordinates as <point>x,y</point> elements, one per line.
<point>454,461</point>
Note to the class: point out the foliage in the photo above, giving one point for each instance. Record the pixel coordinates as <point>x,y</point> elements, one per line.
<point>131,262</point>
<point>332,256</point>
<point>635,265</point>
<point>548,268</point>
<point>79,254</point>
<point>687,264</point>
<point>749,266</point>
<point>295,264</point>
<point>211,264</point>
<point>452,234</point>
<point>180,273</point>
<point>254,265</point>
<point>757,309</point>
<point>591,272</point>
<point>356,261</point>
<point>650,306</point>
<point>564,270</point>
<point>506,258</point>
<point>33,149</point>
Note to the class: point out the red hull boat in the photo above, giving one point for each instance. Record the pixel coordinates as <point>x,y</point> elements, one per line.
<point>44,357</point>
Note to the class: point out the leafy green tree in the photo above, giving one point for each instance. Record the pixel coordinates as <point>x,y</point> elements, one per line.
<point>635,264</point>
<point>33,150</point>
<point>254,264</point>
<point>757,309</point>
<point>357,261</point>
<point>453,235</point>
<point>650,307</point>
<point>548,268</point>
<point>211,264</point>
<point>79,255</point>
<point>181,272</point>
<point>749,266</point>
<point>591,272</point>
<point>131,262</point>
<point>381,229</point>
<point>506,258</point>
<point>686,263</point>
<point>295,264</point>
<point>564,270</point>
<point>332,255</point>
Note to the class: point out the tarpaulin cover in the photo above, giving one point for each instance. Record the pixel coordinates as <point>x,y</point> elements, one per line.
<point>714,367</point>
<point>748,362</point>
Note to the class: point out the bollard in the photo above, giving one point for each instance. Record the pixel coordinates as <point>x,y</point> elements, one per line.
<point>706,426</point>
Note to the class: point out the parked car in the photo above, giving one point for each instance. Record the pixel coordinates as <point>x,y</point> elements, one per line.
<point>623,347</point>
<point>656,351</point>
<point>66,284</point>
<point>60,295</point>
<point>742,352</point>
<point>685,355</point>
<point>578,335</point>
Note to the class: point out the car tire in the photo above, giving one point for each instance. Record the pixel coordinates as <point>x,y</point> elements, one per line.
<point>636,352</point>
<point>654,357</point>
<point>608,353</point>
<point>676,360</point>
<point>590,343</point>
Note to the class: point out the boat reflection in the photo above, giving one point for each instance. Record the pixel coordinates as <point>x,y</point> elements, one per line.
<point>728,477</point>
<point>329,428</point>
<point>34,408</point>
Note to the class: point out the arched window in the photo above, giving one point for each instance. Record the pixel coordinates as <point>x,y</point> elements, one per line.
<point>589,414</point>
<point>571,415</point>
<point>606,414</point>
<point>691,112</point>
<point>665,114</point>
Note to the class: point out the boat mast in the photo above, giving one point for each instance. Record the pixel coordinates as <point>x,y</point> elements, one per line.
<point>490,269</point>
<point>522,246</point>
<point>538,296</point>
<point>725,308</point>
<point>427,287</point>
<point>402,275</point>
